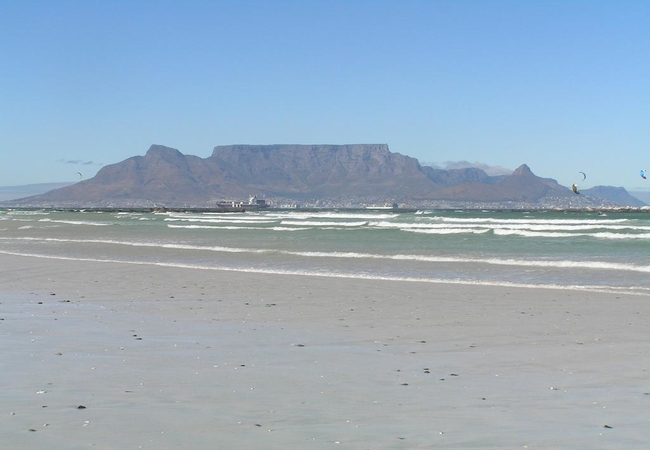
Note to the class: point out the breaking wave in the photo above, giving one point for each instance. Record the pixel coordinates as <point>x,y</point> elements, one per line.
<point>541,263</point>
<point>358,276</point>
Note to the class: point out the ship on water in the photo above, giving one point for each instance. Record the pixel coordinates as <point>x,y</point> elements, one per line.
<point>253,203</point>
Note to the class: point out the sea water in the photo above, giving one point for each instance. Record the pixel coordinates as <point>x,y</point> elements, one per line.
<point>573,250</point>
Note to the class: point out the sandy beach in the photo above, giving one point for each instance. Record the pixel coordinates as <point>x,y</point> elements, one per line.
<point>108,355</point>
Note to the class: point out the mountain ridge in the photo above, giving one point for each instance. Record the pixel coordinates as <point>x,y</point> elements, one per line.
<point>335,175</point>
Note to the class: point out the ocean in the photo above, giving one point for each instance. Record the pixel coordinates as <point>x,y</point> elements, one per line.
<point>570,250</point>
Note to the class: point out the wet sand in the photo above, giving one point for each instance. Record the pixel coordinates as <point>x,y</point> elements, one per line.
<point>103,355</point>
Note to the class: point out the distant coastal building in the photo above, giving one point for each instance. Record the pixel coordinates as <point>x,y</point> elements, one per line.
<point>236,205</point>
<point>385,206</point>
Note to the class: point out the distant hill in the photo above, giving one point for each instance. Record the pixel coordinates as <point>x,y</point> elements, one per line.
<point>27,190</point>
<point>617,195</point>
<point>334,175</point>
<point>474,185</point>
<point>644,196</point>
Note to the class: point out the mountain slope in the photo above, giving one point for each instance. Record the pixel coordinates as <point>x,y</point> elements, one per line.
<point>340,174</point>
<point>616,195</point>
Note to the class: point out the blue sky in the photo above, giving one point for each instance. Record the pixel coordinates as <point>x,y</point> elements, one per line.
<point>562,86</point>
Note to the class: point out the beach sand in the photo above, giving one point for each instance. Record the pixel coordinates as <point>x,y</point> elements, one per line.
<point>119,356</point>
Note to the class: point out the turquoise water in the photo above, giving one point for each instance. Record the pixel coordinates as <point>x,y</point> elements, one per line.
<point>536,249</point>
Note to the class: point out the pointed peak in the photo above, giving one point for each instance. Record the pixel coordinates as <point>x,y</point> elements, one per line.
<point>523,170</point>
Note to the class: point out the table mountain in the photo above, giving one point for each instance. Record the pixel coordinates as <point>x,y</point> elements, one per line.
<point>340,174</point>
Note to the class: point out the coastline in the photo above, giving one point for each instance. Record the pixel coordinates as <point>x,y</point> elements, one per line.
<point>444,207</point>
<point>163,357</point>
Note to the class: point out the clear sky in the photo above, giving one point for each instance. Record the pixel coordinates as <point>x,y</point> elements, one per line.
<point>563,86</point>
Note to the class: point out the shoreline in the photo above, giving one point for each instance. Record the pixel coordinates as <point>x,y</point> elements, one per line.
<point>162,357</point>
<point>405,209</point>
<point>340,276</point>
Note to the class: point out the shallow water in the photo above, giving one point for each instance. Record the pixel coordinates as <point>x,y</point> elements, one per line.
<point>537,249</point>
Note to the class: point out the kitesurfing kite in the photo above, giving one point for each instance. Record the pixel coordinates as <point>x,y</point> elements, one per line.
<point>644,174</point>
<point>584,176</point>
<point>80,175</point>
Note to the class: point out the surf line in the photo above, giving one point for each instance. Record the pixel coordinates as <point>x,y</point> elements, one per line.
<point>253,270</point>
<point>590,265</point>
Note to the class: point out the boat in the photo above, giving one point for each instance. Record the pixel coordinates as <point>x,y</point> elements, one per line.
<point>237,206</point>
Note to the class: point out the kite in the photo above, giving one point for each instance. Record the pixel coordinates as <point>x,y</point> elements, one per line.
<point>574,187</point>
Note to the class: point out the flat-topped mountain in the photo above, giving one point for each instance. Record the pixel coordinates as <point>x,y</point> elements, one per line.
<point>337,174</point>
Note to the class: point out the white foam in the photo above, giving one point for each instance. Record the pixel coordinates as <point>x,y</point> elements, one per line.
<point>599,235</point>
<point>528,220</point>
<point>577,264</point>
<point>215,220</point>
<point>328,274</point>
<point>28,213</point>
<point>211,227</point>
<point>331,215</point>
<point>318,223</point>
<point>446,230</point>
<point>77,222</point>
